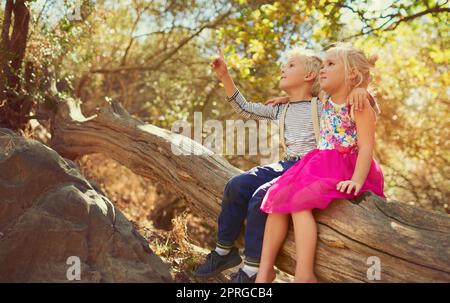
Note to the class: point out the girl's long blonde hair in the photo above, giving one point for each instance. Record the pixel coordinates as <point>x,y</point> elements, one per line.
<point>354,58</point>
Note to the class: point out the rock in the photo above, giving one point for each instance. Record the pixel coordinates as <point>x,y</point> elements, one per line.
<point>49,212</point>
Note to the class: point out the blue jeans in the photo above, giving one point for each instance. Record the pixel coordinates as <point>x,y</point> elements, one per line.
<point>242,199</point>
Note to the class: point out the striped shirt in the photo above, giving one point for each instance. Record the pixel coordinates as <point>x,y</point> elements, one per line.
<point>299,129</point>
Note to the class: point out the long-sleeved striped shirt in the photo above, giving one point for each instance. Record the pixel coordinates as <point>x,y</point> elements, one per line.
<point>299,129</point>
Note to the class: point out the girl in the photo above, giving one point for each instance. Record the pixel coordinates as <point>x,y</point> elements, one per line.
<point>341,167</point>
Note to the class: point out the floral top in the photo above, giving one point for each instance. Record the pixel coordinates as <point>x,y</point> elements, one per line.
<point>338,130</point>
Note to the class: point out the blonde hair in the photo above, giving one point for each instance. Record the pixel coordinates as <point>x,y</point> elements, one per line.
<point>357,59</point>
<point>312,64</point>
<point>354,58</point>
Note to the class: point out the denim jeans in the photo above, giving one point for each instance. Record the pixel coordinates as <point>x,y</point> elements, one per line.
<point>242,199</point>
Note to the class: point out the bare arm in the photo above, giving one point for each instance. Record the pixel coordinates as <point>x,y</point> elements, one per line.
<point>228,84</point>
<point>365,124</point>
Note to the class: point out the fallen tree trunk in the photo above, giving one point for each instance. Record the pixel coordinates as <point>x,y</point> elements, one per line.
<point>410,243</point>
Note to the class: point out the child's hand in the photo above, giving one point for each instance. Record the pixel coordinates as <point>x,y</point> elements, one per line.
<point>349,185</point>
<point>218,65</point>
<point>357,96</point>
<point>278,100</point>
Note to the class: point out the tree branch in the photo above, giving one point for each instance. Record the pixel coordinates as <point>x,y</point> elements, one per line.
<point>388,25</point>
<point>166,56</point>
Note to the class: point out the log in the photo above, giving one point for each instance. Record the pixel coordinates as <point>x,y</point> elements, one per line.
<point>411,244</point>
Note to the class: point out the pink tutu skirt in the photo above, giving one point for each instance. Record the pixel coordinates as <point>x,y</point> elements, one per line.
<point>311,182</point>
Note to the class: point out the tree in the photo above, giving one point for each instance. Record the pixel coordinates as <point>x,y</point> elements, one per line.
<point>145,57</point>
<point>14,104</point>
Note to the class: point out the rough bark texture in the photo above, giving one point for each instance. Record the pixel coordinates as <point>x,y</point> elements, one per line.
<point>411,243</point>
<point>14,32</point>
<point>50,212</point>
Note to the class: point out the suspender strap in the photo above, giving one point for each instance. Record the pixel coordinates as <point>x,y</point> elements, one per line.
<point>282,120</point>
<point>315,119</point>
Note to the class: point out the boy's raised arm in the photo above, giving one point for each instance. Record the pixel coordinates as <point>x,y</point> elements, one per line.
<point>248,110</point>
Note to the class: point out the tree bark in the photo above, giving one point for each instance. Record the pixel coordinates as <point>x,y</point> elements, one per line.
<point>410,243</point>
<point>13,107</point>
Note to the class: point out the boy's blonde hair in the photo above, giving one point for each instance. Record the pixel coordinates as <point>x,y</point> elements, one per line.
<point>312,64</point>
